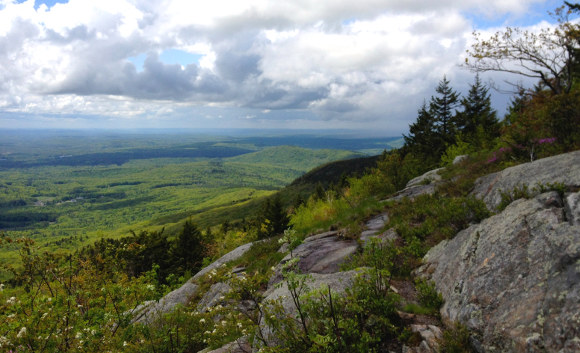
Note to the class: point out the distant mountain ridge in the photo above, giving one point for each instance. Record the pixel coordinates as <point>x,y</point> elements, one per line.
<point>293,155</point>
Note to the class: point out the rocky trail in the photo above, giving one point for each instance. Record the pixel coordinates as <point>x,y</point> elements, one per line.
<point>513,279</point>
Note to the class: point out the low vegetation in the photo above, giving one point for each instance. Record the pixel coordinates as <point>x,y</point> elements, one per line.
<point>84,300</point>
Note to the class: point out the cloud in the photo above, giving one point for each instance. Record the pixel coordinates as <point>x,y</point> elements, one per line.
<point>359,61</point>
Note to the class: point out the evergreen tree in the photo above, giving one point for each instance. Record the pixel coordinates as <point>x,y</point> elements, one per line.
<point>189,249</point>
<point>275,218</point>
<point>423,138</point>
<point>478,117</point>
<point>319,191</point>
<point>442,107</point>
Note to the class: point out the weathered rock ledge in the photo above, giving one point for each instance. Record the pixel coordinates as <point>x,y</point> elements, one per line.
<point>514,279</point>
<point>563,168</point>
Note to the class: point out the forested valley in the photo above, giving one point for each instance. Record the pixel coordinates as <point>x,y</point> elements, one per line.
<point>74,276</point>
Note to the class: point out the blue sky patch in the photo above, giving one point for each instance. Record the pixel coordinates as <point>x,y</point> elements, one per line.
<point>180,57</point>
<point>534,15</point>
<point>138,61</point>
<point>168,57</point>
<point>48,3</point>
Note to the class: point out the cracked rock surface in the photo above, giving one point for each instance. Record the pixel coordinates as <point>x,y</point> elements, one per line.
<point>563,168</point>
<point>514,279</point>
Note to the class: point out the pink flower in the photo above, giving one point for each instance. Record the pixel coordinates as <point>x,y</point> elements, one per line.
<point>547,140</point>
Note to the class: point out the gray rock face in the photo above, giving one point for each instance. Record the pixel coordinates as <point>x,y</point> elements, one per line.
<point>564,168</point>
<point>573,208</point>
<point>148,311</point>
<point>460,159</point>
<point>424,184</point>
<point>231,256</point>
<point>373,226</point>
<point>514,279</point>
<point>213,296</point>
<point>427,178</point>
<point>322,253</point>
<point>430,335</point>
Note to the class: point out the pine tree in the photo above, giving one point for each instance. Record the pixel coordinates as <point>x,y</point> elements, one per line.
<point>477,116</point>
<point>442,108</point>
<point>423,138</point>
<point>275,218</point>
<point>189,249</point>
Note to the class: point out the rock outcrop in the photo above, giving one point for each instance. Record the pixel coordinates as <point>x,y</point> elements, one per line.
<point>564,168</point>
<point>148,311</point>
<point>424,184</point>
<point>321,253</point>
<point>514,279</point>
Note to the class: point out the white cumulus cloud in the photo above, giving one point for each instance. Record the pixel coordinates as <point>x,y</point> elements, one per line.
<point>358,63</point>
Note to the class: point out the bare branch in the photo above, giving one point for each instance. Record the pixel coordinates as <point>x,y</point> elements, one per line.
<point>546,55</point>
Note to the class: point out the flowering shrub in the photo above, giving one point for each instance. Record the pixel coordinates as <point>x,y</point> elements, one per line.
<point>64,304</point>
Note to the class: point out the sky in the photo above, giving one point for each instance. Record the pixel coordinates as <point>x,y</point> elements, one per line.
<point>293,64</point>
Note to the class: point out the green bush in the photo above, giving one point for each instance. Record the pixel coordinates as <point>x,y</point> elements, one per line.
<point>428,295</point>
<point>455,340</point>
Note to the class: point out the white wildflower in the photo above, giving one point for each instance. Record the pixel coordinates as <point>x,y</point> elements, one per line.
<point>22,332</point>
<point>202,321</point>
<point>11,301</point>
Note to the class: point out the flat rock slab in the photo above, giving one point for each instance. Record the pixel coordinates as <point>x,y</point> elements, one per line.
<point>148,311</point>
<point>425,179</point>
<point>321,253</point>
<point>514,279</point>
<point>563,168</point>
<point>377,223</point>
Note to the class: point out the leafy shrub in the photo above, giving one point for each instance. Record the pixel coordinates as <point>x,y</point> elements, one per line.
<point>417,309</point>
<point>524,192</point>
<point>455,340</point>
<point>362,320</point>
<point>518,192</point>
<point>333,212</point>
<point>432,218</point>
<point>66,304</point>
<point>428,295</point>
<point>459,148</point>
